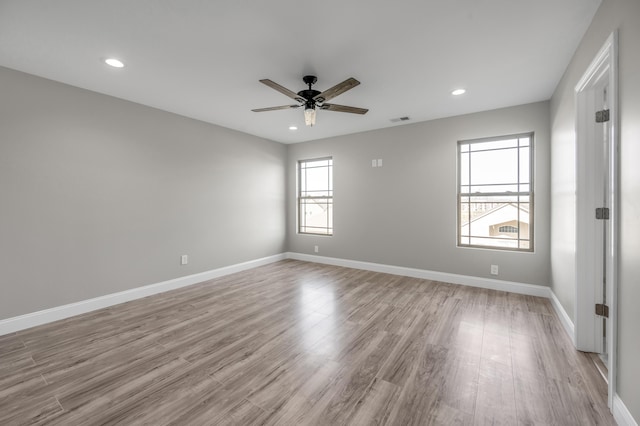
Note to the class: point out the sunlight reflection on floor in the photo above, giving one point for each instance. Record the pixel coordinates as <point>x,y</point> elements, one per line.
<point>318,322</point>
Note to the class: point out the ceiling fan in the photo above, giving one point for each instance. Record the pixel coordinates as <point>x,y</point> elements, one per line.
<point>313,100</point>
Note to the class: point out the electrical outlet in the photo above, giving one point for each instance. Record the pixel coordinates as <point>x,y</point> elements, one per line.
<point>315,249</point>
<point>379,162</point>
<point>494,269</point>
<point>184,259</point>
<point>374,163</point>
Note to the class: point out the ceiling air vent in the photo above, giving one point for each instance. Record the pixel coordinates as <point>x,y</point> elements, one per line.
<point>399,119</point>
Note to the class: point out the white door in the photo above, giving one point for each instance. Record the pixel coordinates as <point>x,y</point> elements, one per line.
<point>596,208</point>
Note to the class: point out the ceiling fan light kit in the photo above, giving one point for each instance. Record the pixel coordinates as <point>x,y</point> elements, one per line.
<point>314,99</point>
<point>309,116</point>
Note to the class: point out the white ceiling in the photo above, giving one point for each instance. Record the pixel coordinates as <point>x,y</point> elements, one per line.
<point>203,58</point>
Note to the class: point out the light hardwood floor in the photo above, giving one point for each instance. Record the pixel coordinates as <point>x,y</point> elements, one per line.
<point>301,343</point>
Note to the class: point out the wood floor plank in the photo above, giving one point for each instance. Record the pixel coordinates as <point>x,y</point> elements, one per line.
<point>10,343</point>
<point>15,356</point>
<point>104,386</point>
<point>294,409</point>
<point>495,403</point>
<point>294,343</point>
<point>496,347</point>
<point>376,404</point>
<point>542,400</point>
<point>153,402</point>
<point>348,392</point>
<point>420,392</point>
<point>247,413</point>
<point>280,384</point>
<point>36,413</point>
<point>17,389</point>
<point>402,362</point>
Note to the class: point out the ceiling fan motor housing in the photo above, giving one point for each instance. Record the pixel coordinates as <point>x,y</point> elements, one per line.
<point>309,93</point>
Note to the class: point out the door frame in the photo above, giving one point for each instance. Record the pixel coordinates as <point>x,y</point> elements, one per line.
<point>604,65</point>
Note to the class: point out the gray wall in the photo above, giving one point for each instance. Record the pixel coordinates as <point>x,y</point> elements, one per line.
<point>404,213</point>
<point>100,195</point>
<point>625,16</point>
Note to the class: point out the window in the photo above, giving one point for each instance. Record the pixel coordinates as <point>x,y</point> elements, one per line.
<point>315,196</point>
<point>495,193</point>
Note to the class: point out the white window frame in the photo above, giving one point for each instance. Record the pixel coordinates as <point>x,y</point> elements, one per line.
<point>304,196</point>
<point>465,197</point>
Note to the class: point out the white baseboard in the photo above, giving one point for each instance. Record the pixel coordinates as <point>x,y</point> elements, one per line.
<point>565,319</point>
<point>621,414</point>
<point>11,325</point>
<point>488,283</point>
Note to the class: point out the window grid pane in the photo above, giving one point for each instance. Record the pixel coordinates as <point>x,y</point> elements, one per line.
<point>315,196</point>
<point>495,193</point>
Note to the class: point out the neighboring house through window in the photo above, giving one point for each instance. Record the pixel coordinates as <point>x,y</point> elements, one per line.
<point>508,229</point>
<point>495,193</point>
<point>315,196</point>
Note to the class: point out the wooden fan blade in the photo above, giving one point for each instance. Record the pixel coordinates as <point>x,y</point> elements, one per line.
<point>336,90</point>
<point>344,108</point>
<point>283,90</point>
<point>276,108</point>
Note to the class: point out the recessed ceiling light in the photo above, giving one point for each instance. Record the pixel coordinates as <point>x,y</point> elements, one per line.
<point>293,128</point>
<point>458,92</point>
<point>114,62</point>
